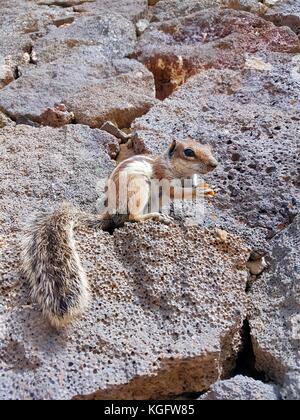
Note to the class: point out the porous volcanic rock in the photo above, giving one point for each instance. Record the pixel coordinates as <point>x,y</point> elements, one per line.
<point>87,83</point>
<point>131,9</point>
<point>63,3</point>
<point>144,275</point>
<point>4,120</point>
<point>128,95</point>
<point>170,9</point>
<point>255,138</point>
<point>253,6</point>
<point>274,318</point>
<point>176,49</point>
<point>169,303</point>
<point>6,72</point>
<point>22,22</point>
<point>285,13</point>
<point>242,388</point>
<point>114,36</point>
<point>81,66</point>
<point>139,279</point>
<point>53,165</point>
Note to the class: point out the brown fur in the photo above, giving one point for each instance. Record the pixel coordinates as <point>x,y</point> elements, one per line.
<point>51,263</point>
<point>49,259</point>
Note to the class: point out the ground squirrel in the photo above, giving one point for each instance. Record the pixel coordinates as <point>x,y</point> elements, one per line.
<point>49,259</point>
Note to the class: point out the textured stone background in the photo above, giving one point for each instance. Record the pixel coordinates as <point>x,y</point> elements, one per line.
<point>179,309</point>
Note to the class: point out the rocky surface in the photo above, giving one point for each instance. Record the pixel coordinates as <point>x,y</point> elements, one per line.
<point>113,35</point>
<point>285,13</point>
<point>194,335</point>
<point>131,9</point>
<point>53,165</point>
<point>128,95</point>
<point>87,83</point>
<point>175,309</point>
<point>6,72</point>
<point>92,80</point>
<point>176,49</point>
<point>170,9</point>
<point>253,6</point>
<point>254,137</point>
<point>275,320</point>
<point>113,353</point>
<point>22,22</point>
<point>4,120</point>
<point>241,388</point>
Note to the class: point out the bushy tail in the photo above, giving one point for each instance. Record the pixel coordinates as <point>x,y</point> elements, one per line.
<point>50,262</point>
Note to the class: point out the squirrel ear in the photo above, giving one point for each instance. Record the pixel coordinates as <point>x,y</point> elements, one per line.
<point>172,148</point>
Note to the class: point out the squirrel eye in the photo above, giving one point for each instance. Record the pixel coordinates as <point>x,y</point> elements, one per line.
<point>189,153</point>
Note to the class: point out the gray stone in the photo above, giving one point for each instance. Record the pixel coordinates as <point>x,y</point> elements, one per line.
<point>168,301</point>
<point>142,25</point>
<point>170,9</point>
<point>6,72</point>
<point>22,22</point>
<point>242,388</point>
<point>63,3</point>
<point>271,3</point>
<point>285,13</point>
<point>80,66</point>
<point>253,6</point>
<point>114,36</point>
<point>4,120</point>
<point>131,9</point>
<point>122,99</point>
<point>94,88</point>
<point>53,165</point>
<point>255,135</point>
<point>139,279</point>
<point>274,316</point>
<point>176,49</point>
<point>145,274</point>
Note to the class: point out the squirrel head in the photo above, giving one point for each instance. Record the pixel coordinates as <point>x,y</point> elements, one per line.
<point>189,157</point>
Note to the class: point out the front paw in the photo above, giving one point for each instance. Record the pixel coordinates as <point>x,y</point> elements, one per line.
<point>207,190</point>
